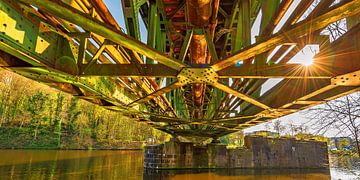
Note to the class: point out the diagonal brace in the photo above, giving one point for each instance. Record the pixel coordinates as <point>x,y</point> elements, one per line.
<point>346,10</point>
<point>70,14</point>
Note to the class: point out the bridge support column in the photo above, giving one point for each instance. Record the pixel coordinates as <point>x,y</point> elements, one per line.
<point>258,152</point>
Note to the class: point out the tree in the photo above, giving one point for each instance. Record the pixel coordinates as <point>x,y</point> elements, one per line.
<point>36,107</point>
<point>295,129</point>
<point>50,115</point>
<point>342,114</point>
<point>72,113</point>
<point>58,119</point>
<point>277,126</point>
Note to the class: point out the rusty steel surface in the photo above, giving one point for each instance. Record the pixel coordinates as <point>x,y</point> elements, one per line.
<point>202,71</point>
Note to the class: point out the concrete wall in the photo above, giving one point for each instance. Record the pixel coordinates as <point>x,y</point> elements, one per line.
<point>259,152</point>
<point>287,153</point>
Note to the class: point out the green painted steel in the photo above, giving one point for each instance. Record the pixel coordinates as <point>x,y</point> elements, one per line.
<point>78,47</point>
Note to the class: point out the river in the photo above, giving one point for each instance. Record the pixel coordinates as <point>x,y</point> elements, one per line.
<point>73,164</point>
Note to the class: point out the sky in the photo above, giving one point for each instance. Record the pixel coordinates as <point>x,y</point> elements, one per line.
<point>303,57</point>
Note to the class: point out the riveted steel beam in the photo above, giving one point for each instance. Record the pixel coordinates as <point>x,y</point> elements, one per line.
<point>94,89</point>
<point>94,58</point>
<point>50,58</point>
<point>268,10</point>
<point>211,47</point>
<point>342,55</point>
<point>152,27</point>
<point>240,95</point>
<point>229,23</point>
<point>346,10</point>
<point>116,77</point>
<point>104,12</point>
<point>185,45</point>
<point>130,70</point>
<point>130,12</point>
<point>70,14</point>
<point>313,91</point>
<point>157,93</point>
<point>289,71</point>
<point>298,12</point>
<point>279,14</point>
<point>242,35</point>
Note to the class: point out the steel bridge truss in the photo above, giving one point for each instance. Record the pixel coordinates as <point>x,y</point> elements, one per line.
<point>199,73</point>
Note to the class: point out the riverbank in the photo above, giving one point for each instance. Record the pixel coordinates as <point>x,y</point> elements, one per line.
<point>34,116</point>
<point>24,138</point>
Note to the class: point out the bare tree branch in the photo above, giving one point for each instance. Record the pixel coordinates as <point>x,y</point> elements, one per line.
<point>342,114</point>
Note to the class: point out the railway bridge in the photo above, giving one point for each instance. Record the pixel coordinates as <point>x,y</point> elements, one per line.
<point>203,69</point>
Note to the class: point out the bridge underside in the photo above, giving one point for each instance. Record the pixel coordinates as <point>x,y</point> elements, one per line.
<point>200,73</point>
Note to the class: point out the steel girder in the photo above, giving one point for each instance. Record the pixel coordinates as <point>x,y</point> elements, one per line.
<point>78,47</point>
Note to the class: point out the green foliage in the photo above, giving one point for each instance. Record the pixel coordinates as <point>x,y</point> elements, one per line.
<point>224,139</point>
<point>22,138</point>
<point>72,113</point>
<point>233,140</point>
<point>35,105</point>
<point>36,116</point>
<point>307,136</point>
<point>343,143</point>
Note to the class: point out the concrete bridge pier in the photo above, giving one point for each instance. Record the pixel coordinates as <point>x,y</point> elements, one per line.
<point>258,152</point>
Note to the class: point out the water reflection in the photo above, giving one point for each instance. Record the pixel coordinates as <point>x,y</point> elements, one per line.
<point>33,164</point>
<point>238,174</point>
<point>45,164</point>
<point>345,166</point>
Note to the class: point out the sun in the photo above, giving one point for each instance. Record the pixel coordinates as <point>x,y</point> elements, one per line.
<point>308,58</point>
<point>307,62</point>
<point>306,55</point>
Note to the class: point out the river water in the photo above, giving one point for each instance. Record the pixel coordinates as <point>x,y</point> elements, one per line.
<point>72,164</point>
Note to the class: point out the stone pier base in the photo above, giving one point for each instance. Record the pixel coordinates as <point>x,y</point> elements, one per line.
<point>258,152</point>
